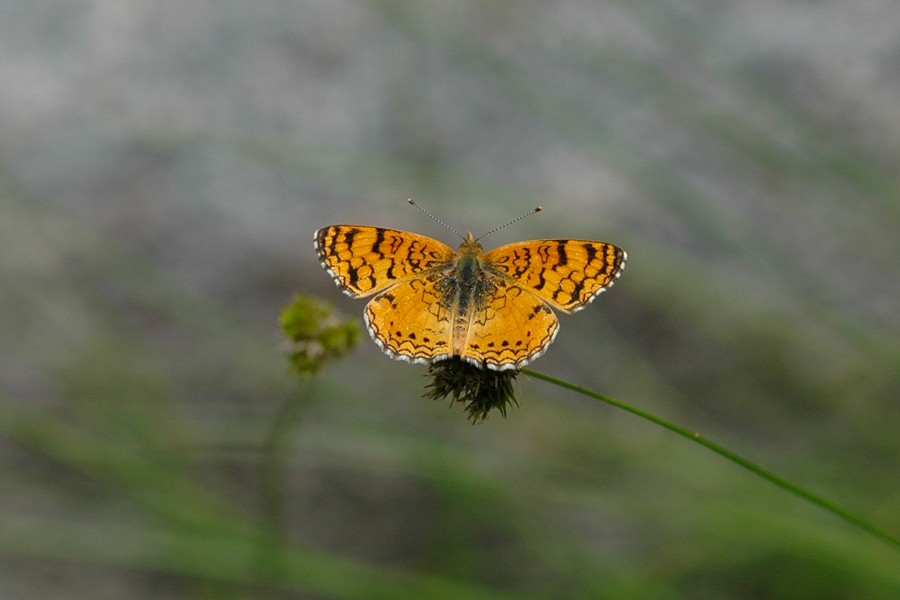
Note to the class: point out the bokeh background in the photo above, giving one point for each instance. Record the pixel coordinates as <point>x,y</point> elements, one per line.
<point>164,163</point>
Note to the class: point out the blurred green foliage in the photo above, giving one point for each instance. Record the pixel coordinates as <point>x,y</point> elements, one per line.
<point>316,336</point>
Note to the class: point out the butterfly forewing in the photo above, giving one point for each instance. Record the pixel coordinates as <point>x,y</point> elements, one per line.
<point>364,260</point>
<point>566,273</point>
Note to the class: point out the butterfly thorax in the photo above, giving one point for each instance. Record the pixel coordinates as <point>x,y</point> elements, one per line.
<point>469,263</point>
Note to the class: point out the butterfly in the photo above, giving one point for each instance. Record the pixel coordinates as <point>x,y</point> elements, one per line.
<point>491,309</point>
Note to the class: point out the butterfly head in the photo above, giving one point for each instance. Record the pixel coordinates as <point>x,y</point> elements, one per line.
<point>470,245</point>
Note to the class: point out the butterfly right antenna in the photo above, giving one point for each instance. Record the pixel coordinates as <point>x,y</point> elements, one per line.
<point>495,229</point>
<point>411,201</point>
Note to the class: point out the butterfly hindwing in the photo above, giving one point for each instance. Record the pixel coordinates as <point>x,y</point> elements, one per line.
<point>512,328</point>
<point>412,320</point>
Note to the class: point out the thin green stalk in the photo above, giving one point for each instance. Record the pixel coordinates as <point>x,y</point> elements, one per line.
<point>274,542</point>
<point>831,507</point>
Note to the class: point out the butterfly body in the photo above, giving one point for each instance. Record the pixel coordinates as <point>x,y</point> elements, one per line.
<point>469,264</point>
<point>491,309</point>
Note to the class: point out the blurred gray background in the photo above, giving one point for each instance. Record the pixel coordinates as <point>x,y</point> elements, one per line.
<point>164,164</point>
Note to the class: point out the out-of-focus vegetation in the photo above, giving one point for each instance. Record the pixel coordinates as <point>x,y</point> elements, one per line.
<point>164,165</point>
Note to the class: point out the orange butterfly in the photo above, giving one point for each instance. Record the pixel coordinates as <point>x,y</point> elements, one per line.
<point>492,310</point>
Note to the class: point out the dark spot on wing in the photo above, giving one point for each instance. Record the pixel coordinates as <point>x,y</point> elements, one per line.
<point>563,257</point>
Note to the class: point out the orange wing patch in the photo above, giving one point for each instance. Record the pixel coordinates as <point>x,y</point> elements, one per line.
<point>364,260</point>
<point>566,273</point>
<point>411,321</point>
<point>513,328</point>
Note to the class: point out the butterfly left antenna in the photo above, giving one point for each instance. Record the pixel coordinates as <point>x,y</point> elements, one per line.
<point>411,201</point>
<point>495,229</point>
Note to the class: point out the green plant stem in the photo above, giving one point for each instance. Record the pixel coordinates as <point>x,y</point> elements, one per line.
<point>274,543</point>
<point>831,507</point>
